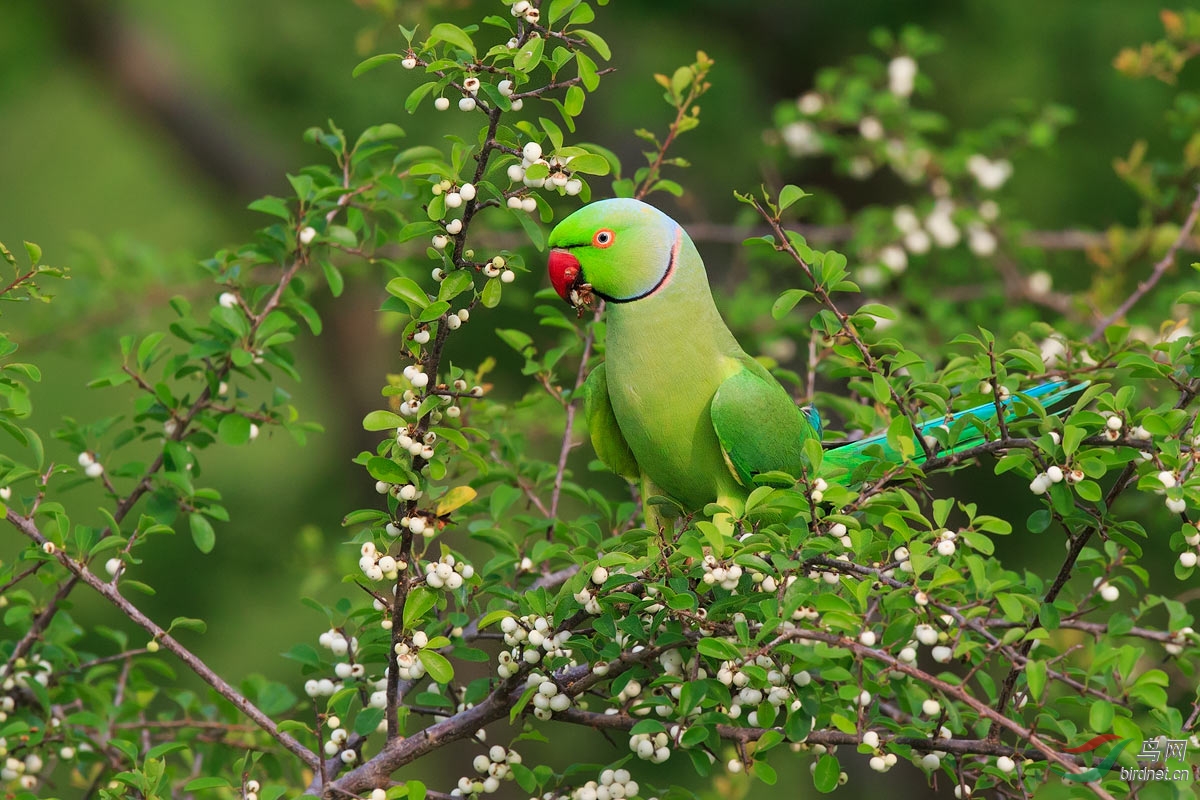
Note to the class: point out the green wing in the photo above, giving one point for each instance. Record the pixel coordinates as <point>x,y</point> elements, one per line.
<point>607,439</point>
<point>758,425</point>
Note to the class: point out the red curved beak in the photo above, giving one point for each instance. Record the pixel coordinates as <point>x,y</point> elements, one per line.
<point>565,273</point>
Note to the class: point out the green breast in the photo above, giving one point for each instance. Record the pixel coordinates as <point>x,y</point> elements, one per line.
<point>667,354</point>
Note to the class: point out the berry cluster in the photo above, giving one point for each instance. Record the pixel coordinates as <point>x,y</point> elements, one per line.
<point>447,573</point>
<point>339,738</point>
<point>24,772</point>
<point>494,766</point>
<point>91,465</point>
<point>531,638</point>
<point>548,698</point>
<point>537,172</point>
<point>614,784</point>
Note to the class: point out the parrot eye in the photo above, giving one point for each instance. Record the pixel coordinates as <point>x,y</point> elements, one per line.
<point>604,238</point>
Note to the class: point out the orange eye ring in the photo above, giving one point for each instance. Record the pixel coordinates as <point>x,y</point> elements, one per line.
<point>604,238</point>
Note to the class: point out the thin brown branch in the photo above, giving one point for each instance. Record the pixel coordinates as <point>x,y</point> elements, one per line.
<point>165,640</point>
<point>22,575</point>
<point>696,89</point>
<point>1078,542</point>
<point>783,244</point>
<point>829,738</point>
<point>17,281</point>
<point>1160,269</point>
<point>572,406</point>
<point>538,92</point>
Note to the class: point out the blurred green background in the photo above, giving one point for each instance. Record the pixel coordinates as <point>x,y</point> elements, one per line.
<point>135,132</point>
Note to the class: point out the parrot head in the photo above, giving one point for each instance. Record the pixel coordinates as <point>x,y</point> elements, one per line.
<point>620,250</point>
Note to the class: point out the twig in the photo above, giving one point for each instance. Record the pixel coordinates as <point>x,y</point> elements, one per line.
<point>624,722</point>
<point>572,405</point>
<point>22,576</point>
<point>110,593</point>
<point>695,89</point>
<point>1165,263</point>
<point>950,690</point>
<point>20,279</point>
<point>783,244</point>
<point>1078,542</point>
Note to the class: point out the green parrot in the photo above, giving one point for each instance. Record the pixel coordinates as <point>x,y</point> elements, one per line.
<point>678,406</point>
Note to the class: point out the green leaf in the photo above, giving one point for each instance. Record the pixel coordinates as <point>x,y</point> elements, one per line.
<point>417,605</point>
<point>1039,521</point>
<point>234,429</point>
<point>158,751</point>
<point>530,55</point>
<point>433,311</point>
<point>367,721</point>
<point>417,95</point>
<point>1035,677</point>
<point>188,623</point>
<point>455,284</point>
<point>493,617</point>
<point>1011,605</point>
<point>573,102</point>
<point>1100,716</point>
<point>34,252</point>
<point>790,194</point>
<point>371,63</point>
<point>307,313</point>
<point>827,773</point>
<point>597,43</point>
<point>146,350</point>
<point>382,421</point>
<point>877,310</point>
<point>451,34</point>
<point>768,740</point>
<point>1072,436</point>
<point>202,532</point>
<point>560,7</point>
<point>490,296</point>
<point>408,290</point>
<point>590,164</point>
<point>764,771</point>
<point>437,665</point>
<point>271,205</point>
<point>384,469</point>
<point>517,340</point>
<point>718,648</point>
<point>786,302</point>
<point>333,277</point>
<point>587,71</point>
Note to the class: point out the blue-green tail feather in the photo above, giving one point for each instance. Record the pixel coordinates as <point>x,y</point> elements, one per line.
<point>1047,394</point>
